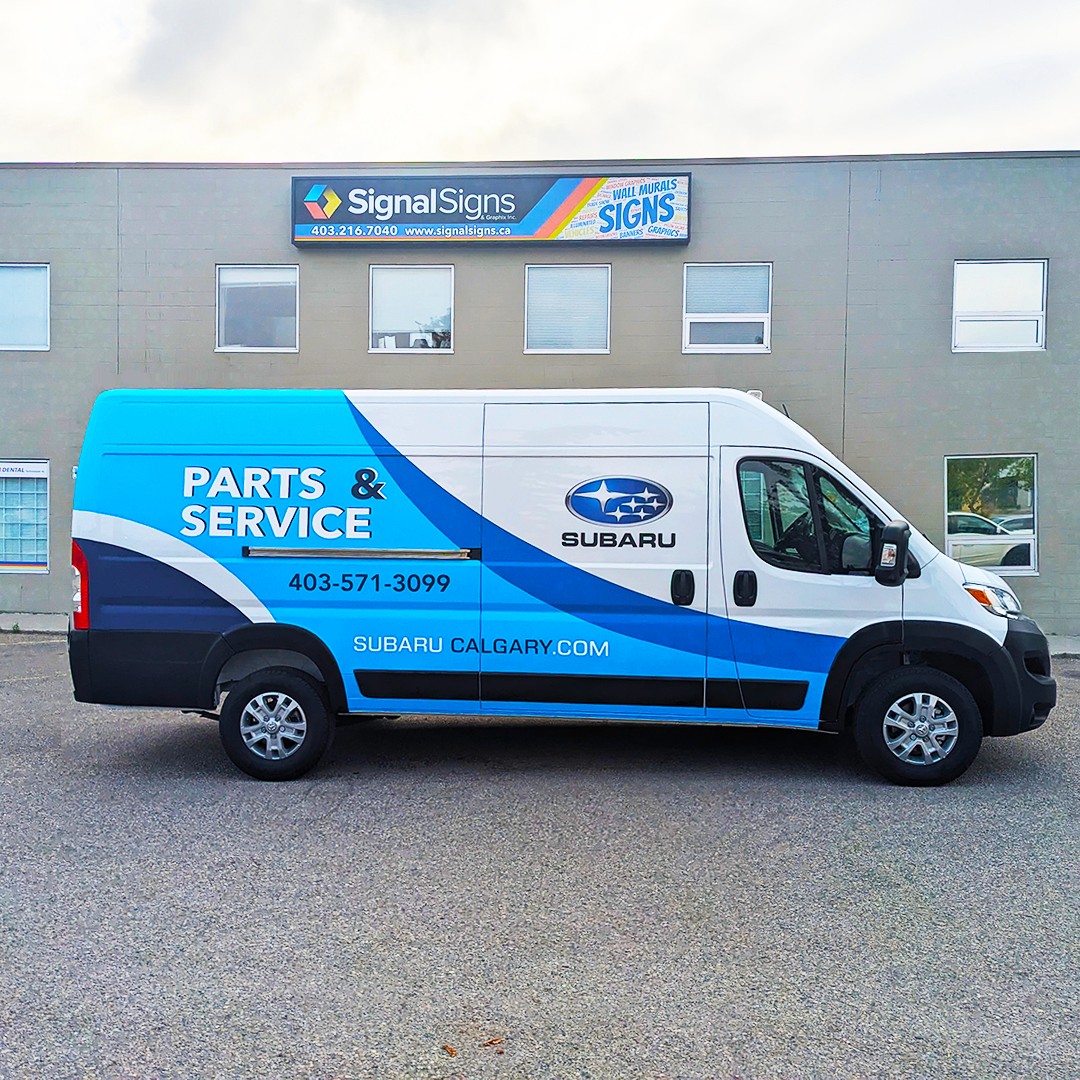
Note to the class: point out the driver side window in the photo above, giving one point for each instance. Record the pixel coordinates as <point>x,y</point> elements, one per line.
<point>801,518</point>
<point>779,518</point>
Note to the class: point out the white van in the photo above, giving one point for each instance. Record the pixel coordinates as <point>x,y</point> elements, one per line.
<point>669,555</point>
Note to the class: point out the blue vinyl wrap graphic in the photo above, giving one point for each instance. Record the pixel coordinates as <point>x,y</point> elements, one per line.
<point>435,629</point>
<point>772,653</point>
<point>134,592</point>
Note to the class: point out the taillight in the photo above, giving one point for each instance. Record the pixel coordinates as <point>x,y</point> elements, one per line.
<point>80,600</point>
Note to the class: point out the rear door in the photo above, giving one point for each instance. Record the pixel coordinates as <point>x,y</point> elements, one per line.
<point>595,559</point>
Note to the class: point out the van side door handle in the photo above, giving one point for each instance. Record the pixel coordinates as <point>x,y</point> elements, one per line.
<point>682,587</point>
<point>744,590</point>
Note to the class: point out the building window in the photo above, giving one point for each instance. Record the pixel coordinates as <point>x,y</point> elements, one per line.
<point>24,307</point>
<point>999,306</point>
<point>727,307</point>
<point>990,512</point>
<point>258,308</point>
<point>24,517</point>
<point>567,309</point>
<point>412,307</point>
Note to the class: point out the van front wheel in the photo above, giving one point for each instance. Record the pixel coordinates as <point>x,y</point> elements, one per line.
<point>918,726</point>
<point>275,724</point>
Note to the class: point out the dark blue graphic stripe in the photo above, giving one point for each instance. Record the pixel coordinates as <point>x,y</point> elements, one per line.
<point>144,594</point>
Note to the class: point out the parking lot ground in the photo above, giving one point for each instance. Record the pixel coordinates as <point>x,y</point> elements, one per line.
<point>529,900</point>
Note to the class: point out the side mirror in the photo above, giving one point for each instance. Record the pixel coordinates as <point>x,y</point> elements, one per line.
<point>855,554</point>
<point>892,566</point>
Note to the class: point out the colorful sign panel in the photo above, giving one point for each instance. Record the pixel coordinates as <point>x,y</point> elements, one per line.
<point>465,209</point>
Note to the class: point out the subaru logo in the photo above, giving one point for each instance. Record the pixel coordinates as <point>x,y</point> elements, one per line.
<point>618,500</point>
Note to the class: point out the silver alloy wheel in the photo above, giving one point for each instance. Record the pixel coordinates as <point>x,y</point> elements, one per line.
<point>920,729</point>
<point>273,726</point>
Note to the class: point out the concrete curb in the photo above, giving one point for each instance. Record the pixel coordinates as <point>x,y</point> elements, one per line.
<point>33,622</point>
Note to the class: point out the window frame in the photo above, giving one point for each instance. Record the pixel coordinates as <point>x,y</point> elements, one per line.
<point>551,351</point>
<point>47,267</point>
<point>284,349</point>
<point>40,471</point>
<point>409,350</point>
<point>974,540</point>
<point>1015,315</point>
<point>727,317</point>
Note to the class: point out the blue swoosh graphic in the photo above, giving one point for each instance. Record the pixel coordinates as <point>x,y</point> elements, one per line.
<point>569,589</point>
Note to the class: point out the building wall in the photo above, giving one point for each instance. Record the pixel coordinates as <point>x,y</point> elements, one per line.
<point>862,253</point>
<point>66,218</point>
<point>911,400</point>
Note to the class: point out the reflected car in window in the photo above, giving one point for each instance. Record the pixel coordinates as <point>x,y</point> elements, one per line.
<point>973,539</point>
<point>1016,522</point>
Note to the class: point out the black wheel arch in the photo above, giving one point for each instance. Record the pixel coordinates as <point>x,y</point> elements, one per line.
<point>272,637</point>
<point>967,654</point>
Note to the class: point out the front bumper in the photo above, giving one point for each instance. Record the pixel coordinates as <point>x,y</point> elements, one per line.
<point>1027,647</point>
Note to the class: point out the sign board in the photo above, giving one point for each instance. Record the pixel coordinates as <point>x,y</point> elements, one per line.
<point>469,209</point>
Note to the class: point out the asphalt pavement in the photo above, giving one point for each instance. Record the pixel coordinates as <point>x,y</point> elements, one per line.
<point>528,900</point>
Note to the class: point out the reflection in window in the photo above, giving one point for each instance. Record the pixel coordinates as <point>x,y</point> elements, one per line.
<point>412,307</point>
<point>848,529</point>
<point>793,528</point>
<point>990,512</point>
<point>776,508</point>
<point>258,308</point>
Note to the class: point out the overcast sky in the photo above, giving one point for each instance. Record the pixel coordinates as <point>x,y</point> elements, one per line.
<point>460,80</point>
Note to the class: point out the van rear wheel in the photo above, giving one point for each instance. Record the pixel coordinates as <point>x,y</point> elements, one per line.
<point>276,724</point>
<point>918,726</point>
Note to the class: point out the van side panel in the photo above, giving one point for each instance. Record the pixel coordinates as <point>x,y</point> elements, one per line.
<point>274,508</point>
<point>589,510</point>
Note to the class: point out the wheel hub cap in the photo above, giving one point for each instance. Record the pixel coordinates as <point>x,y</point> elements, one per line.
<point>273,726</point>
<point>921,729</point>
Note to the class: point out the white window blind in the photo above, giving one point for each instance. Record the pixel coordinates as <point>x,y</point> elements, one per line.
<point>24,307</point>
<point>999,306</point>
<point>727,307</point>
<point>567,308</point>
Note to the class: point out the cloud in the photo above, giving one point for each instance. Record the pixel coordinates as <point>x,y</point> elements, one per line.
<point>428,80</point>
<point>186,40</point>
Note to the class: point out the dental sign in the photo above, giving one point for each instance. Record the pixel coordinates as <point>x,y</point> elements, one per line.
<point>516,209</point>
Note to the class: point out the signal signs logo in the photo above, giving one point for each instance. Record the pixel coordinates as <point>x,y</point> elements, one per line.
<point>618,500</point>
<point>321,202</point>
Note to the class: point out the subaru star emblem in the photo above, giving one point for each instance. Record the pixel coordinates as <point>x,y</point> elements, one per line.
<point>618,500</point>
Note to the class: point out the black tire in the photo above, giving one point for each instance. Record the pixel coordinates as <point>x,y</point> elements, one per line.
<point>1017,556</point>
<point>890,735</point>
<point>288,699</point>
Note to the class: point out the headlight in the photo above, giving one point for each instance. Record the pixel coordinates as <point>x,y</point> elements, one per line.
<point>999,601</point>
